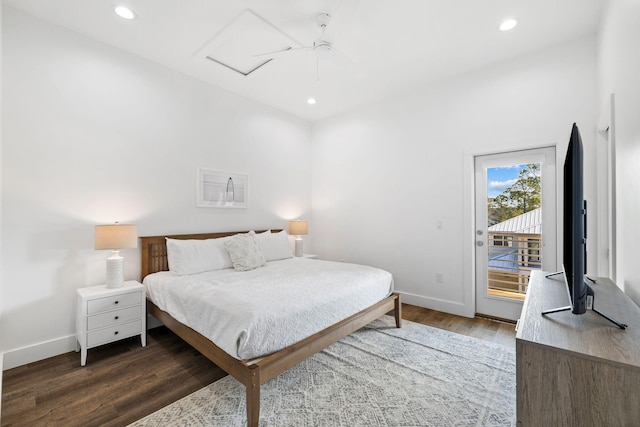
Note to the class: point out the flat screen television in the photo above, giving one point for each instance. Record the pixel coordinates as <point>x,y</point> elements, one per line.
<point>574,225</point>
<point>574,253</point>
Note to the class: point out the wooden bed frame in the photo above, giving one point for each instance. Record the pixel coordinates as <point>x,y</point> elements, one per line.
<point>252,375</point>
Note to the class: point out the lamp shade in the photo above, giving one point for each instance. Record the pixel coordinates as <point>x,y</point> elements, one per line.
<point>116,236</point>
<point>298,227</point>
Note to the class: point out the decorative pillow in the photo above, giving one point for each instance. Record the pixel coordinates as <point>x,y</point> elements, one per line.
<point>274,246</point>
<point>196,256</point>
<point>244,252</point>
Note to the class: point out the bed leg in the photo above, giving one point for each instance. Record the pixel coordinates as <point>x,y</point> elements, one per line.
<point>253,399</point>
<point>398,312</point>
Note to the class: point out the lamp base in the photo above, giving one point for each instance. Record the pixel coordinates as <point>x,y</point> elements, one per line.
<point>115,270</point>
<point>298,248</point>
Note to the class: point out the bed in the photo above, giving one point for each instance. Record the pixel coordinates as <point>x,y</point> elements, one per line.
<point>252,371</point>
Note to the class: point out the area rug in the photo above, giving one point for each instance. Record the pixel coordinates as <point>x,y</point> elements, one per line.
<point>377,376</point>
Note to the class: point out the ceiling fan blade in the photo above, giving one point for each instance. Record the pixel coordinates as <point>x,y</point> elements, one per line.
<point>282,52</point>
<point>342,57</point>
<point>332,61</point>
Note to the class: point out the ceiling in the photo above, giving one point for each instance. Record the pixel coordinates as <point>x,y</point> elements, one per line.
<point>381,47</point>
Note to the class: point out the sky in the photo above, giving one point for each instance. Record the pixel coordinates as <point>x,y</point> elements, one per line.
<point>502,177</point>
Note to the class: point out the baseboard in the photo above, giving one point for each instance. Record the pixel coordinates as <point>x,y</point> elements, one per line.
<point>44,350</point>
<point>451,307</point>
<point>152,322</point>
<point>33,353</point>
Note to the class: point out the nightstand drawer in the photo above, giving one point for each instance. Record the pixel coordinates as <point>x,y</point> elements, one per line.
<point>113,302</point>
<point>113,318</point>
<point>113,333</point>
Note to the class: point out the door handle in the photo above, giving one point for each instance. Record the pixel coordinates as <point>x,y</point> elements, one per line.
<point>480,243</point>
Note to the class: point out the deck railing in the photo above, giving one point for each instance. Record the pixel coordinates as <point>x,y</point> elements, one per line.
<point>512,257</point>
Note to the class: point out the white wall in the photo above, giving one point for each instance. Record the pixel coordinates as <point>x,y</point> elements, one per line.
<point>93,135</point>
<point>1,322</point>
<point>383,176</point>
<point>619,72</point>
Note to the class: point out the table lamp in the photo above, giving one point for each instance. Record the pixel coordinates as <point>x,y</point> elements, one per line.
<point>115,237</point>
<point>298,228</point>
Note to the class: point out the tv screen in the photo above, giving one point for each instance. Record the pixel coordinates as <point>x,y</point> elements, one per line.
<point>574,235</point>
<point>574,221</point>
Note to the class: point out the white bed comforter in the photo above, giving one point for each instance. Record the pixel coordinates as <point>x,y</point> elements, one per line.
<point>254,313</point>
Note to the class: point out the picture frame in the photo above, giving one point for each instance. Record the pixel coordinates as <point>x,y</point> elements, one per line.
<point>218,189</point>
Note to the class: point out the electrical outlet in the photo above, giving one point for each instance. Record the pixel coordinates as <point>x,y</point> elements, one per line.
<point>439,278</point>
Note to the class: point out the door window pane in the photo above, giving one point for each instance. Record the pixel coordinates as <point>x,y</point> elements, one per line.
<point>514,220</point>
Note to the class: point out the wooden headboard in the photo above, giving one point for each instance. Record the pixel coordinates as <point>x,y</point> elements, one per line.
<point>154,249</point>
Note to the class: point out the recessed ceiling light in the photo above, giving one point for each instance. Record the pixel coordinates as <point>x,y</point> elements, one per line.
<point>508,24</point>
<point>311,100</point>
<point>124,12</point>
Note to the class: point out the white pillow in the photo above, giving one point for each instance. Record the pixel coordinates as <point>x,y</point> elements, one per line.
<point>244,252</point>
<point>274,246</point>
<point>196,256</point>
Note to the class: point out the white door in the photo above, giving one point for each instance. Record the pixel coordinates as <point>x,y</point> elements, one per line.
<point>515,226</point>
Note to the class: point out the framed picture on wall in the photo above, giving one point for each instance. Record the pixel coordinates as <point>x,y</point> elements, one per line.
<point>216,189</point>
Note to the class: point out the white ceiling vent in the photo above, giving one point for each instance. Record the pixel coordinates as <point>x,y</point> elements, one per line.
<point>238,45</point>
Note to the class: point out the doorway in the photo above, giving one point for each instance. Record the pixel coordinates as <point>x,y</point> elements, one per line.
<point>515,227</point>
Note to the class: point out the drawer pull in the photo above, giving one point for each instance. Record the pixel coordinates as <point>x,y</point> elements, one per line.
<point>116,302</point>
<point>115,333</point>
<point>116,318</point>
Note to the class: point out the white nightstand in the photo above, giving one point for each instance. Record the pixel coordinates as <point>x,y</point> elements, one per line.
<point>106,315</point>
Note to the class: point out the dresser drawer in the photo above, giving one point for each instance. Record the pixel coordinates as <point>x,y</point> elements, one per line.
<point>99,305</point>
<point>113,333</point>
<point>112,318</point>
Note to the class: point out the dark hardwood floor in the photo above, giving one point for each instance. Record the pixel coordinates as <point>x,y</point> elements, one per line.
<point>486,329</point>
<point>122,382</point>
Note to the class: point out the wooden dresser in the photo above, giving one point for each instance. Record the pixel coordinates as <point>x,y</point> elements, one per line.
<point>577,370</point>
